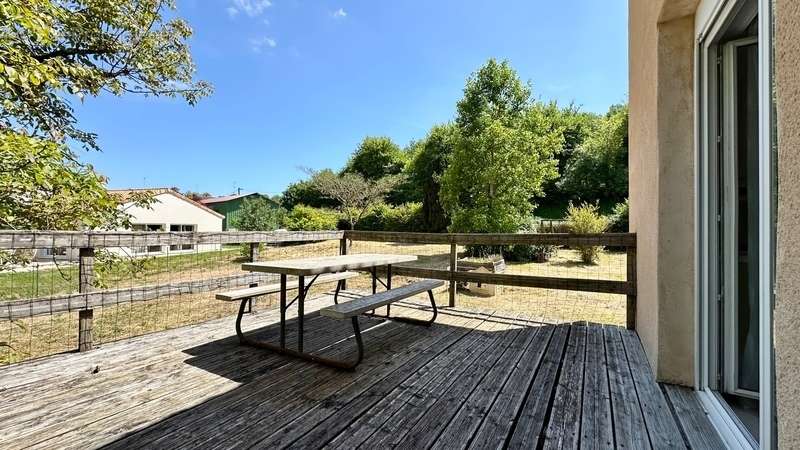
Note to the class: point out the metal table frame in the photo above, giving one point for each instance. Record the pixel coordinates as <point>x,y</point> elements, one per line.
<point>302,289</point>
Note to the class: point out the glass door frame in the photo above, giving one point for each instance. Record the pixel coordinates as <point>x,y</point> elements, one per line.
<point>729,238</point>
<point>712,19</point>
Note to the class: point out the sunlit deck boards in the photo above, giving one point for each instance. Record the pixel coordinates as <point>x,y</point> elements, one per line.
<point>475,379</point>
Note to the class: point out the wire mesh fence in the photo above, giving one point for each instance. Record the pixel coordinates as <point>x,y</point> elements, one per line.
<point>549,305</point>
<point>144,286</point>
<point>142,282</point>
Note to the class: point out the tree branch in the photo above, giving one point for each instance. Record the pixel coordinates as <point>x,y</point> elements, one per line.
<point>67,52</point>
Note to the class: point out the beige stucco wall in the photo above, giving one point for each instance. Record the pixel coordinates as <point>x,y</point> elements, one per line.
<point>661,43</point>
<point>662,190</point>
<point>787,299</point>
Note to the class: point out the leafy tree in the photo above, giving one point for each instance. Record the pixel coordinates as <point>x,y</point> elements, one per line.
<point>41,189</point>
<point>197,196</point>
<point>503,156</point>
<point>257,214</point>
<point>599,168</point>
<point>493,94</point>
<point>53,53</point>
<point>375,158</point>
<point>305,193</point>
<point>425,172</point>
<point>354,193</point>
<point>619,221</point>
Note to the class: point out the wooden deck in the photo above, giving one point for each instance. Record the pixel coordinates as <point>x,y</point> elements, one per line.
<point>475,379</point>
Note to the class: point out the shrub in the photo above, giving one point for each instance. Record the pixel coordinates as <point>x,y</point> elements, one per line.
<point>258,214</point>
<point>383,217</point>
<point>306,218</point>
<point>586,219</point>
<point>619,218</point>
<point>530,253</point>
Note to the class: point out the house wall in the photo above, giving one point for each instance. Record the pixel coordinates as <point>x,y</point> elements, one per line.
<point>661,45</point>
<point>169,209</point>
<point>662,134</point>
<point>787,298</point>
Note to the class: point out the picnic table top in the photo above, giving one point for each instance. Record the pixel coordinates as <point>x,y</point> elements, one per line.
<point>326,264</point>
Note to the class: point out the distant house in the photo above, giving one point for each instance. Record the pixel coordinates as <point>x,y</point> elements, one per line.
<point>231,205</point>
<point>171,211</point>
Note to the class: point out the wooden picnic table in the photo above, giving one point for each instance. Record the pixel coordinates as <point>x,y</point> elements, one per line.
<point>314,267</point>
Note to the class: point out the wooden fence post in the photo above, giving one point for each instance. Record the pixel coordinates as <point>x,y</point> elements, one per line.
<point>85,284</point>
<point>631,278</point>
<point>453,270</point>
<point>254,251</point>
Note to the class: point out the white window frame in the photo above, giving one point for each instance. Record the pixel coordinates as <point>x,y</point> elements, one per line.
<point>709,20</point>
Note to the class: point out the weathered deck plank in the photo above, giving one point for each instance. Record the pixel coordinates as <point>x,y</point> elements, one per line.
<point>629,426</point>
<point>596,428</point>
<point>692,418</point>
<point>563,429</point>
<point>471,414</point>
<point>661,426</point>
<point>474,379</point>
<point>531,421</point>
<point>491,338</point>
<point>428,430</point>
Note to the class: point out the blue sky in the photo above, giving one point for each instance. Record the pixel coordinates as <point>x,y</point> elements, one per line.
<point>300,83</point>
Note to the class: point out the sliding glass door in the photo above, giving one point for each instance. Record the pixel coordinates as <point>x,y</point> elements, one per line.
<point>740,224</point>
<point>735,233</point>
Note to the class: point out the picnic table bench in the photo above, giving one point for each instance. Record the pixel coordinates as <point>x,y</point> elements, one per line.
<point>328,269</point>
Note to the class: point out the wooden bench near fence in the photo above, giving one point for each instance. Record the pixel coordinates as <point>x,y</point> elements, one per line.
<point>87,241</point>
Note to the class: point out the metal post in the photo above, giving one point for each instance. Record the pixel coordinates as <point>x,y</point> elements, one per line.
<point>85,284</point>
<point>283,310</point>
<point>388,287</point>
<point>301,300</point>
<point>250,300</point>
<point>343,251</point>
<point>453,269</point>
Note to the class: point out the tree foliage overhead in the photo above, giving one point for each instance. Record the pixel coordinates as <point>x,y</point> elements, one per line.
<point>503,155</point>
<point>375,158</point>
<point>599,167</point>
<point>55,52</point>
<point>41,190</point>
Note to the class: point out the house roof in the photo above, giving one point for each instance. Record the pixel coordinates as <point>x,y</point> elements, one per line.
<point>225,198</point>
<point>126,194</point>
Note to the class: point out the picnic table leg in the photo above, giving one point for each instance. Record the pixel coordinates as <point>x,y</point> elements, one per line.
<point>301,299</point>
<point>283,311</point>
<point>388,287</point>
<point>250,300</point>
<point>374,285</point>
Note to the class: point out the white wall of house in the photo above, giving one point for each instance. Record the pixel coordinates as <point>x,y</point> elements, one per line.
<point>168,213</point>
<point>169,210</point>
<point>172,213</point>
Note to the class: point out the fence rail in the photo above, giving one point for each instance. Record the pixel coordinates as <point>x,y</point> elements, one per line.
<point>88,297</point>
<point>24,240</point>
